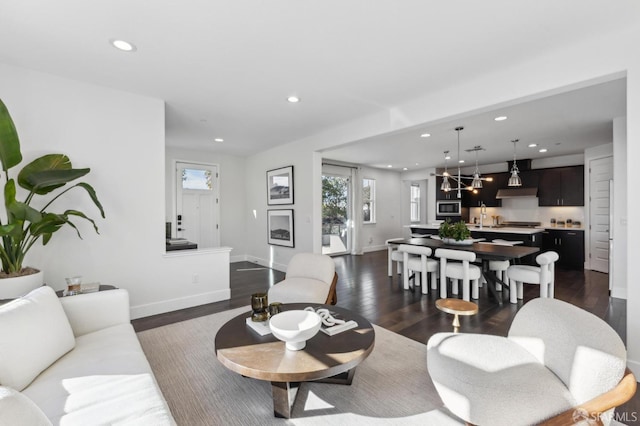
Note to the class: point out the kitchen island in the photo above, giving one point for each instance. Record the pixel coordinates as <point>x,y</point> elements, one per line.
<point>531,237</point>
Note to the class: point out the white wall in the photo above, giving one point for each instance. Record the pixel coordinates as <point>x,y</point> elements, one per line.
<point>559,69</point>
<point>625,201</point>
<point>232,187</point>
<point>120,136</point>
<point>388,209</point>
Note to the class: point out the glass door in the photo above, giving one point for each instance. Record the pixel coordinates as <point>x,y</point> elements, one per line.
<point>336,214</point>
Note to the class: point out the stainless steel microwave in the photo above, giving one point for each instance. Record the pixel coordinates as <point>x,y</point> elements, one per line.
<point>448,208</point>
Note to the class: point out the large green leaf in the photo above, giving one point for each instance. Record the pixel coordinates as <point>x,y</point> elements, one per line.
<point>9,143</point>
<point>92,194</point>
<point>47,173</point>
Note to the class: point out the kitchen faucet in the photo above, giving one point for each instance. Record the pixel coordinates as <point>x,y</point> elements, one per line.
<point>483,213</point>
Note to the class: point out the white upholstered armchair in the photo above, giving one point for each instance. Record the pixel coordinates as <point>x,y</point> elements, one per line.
<point>557,362</point>
<point>310,278</point>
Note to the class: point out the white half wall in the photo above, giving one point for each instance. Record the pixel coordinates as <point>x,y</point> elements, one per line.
<point>120,136</point>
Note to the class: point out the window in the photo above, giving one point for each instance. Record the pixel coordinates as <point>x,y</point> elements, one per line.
<point>415,202</point>
<point>368,200</point>
<point>197,179</point>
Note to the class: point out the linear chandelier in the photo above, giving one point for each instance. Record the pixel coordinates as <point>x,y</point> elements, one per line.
<point>476,179</point>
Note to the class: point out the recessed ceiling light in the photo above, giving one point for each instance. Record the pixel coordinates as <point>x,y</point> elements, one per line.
<point>533,145</point>
<point>543,150</point>
<point>447,157</point>
<point>389,166</point>
<point>293,99</point>
<point>218,140</point>
<point>460,161</point>
<point>425,135</point>
<point>125,46</point>
<point>405,168</point>
<point>417,164</point>
<point>501,118</point>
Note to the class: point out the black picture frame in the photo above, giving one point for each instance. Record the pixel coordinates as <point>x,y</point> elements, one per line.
<point>280,186</point>
<point>280,231</point>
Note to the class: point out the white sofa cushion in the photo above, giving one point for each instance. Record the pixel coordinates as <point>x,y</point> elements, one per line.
<point>35,333</point>
<point>106,377</point>
<point>487,380</point>
<point>17,409</point>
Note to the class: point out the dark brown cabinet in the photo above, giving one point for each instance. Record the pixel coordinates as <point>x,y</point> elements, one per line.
<point>568,244</point>
<point>441,195</point>
<point>487,194</point>
<point>563,186</point>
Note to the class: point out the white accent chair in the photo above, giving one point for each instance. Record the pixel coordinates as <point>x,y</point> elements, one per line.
<point>393,255</point>
<point>310,278</point>
<point>416,259</point>
<point>543,275</point>
<point>557,361</point>
<point>463,270</point>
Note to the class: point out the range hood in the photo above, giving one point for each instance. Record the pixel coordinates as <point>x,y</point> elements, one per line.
<point>516,193</point>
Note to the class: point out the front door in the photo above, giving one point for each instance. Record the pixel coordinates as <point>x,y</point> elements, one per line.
<point>197,204</point>
<point>600,173</point>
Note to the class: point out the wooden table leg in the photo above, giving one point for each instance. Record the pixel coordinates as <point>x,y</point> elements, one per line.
<point>284,395</point>
<point>340,379</point>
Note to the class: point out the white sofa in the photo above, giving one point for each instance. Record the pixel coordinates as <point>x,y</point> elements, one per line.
<point>75,361</point>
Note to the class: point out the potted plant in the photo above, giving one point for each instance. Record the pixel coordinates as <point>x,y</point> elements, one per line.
<point>23,225</point>
<point>455,233</point>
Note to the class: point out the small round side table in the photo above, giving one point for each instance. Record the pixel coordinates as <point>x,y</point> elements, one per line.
<point>456,307</point>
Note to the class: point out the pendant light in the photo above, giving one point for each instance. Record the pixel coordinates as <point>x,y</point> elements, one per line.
<point>514,180</point>
<point>446,185</point>
<point>477,180</point>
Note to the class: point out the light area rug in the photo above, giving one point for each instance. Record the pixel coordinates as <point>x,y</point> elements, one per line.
<point>391,386</point>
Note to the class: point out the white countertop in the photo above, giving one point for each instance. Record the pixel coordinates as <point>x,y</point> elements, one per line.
<point>501,230</point>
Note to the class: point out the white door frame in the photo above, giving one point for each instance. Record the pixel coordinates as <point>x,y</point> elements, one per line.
<point>174,196</point>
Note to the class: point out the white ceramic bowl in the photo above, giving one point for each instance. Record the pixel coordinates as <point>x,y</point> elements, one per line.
<point>295,327</point>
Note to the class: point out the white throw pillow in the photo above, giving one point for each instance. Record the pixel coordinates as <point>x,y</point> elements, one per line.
<point>17,409</point>
<point>34,333</point>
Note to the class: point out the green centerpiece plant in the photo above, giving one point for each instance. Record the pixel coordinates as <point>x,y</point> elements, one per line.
<point>457,231</point>
<point>23,225</point>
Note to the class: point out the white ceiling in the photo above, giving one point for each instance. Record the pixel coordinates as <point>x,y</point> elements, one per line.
<point>225,68</point>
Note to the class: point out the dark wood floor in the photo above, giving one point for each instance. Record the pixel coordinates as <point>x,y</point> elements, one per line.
<point>364,287</point>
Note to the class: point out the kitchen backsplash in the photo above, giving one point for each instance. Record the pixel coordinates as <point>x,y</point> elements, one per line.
<point>527,210</point>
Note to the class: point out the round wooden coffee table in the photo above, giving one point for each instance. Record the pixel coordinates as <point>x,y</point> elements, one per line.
<point>456,307</point>
<point>331,359</point>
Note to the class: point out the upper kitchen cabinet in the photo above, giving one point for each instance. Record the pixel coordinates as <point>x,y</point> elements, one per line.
<point>441,195</point>
<point>487,194</point>
<point>562,186</point>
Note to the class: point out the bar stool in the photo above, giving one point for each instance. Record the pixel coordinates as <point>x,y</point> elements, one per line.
<point>416,259</point>
<point>500,268</point>
<point>469,274</point>
<point>543,275</point>
<point>393,255</point>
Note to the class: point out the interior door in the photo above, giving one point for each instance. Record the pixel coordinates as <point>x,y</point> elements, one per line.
<point>197,203</point>
<point>601,172</point>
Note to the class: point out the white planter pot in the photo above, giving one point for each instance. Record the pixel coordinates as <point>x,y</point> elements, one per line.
<point>11,288</point>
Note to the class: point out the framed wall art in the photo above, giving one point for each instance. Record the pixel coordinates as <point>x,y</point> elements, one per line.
<point>280,228</point>
<point>280,186</point>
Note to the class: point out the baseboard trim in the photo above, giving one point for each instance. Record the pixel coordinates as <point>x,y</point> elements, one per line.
<point>620,293</point>
<point>634,367</point>
<point>374,248</point>
<point>146,310</point>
